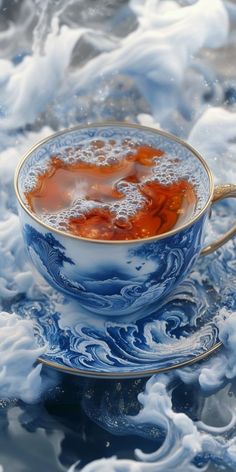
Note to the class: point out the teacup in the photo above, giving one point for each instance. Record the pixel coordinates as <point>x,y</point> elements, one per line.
<point>115,278</point>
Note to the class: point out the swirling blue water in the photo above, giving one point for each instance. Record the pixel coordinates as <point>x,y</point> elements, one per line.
<point>168,64</point>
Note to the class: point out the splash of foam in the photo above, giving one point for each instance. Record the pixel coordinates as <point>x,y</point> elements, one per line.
<point>161,42</point>
<point>222,368</point>
<point>19,379</point>
<point>214,135</point>
<point>27,88</point>
<point>15,271</point>
<point>186,441</point>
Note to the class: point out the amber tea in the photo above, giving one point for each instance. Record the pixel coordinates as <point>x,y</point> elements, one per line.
<point>111,190</point>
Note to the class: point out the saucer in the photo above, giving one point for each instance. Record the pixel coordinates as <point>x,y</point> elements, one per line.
<point>180,331</point>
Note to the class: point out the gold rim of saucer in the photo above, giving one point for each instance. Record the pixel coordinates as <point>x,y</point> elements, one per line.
<point>120,125</point>
<point>126,375</point>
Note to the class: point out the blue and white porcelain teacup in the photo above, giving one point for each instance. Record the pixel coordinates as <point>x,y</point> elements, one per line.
<point>115,278</point>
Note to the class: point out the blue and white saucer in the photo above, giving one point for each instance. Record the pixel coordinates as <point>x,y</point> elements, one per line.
<point>182,330</point>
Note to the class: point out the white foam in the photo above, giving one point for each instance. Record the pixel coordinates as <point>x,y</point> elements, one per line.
<point>214,135</point>
<point>165,41</point>
<point>19,379</point>
<point>170,170</point>
<point>32,84</point>
<point>87,152</point>
<point>98,152</point>
<point>185,438</point>
<point>163,45</point>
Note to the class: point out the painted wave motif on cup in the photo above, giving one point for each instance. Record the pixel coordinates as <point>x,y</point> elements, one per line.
<point>146,273</point>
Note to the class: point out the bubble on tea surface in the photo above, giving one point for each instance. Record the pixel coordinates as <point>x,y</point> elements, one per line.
<point>98,152</point>
<point>133,200</point>
<point>31,177</point>
<point>129,169</point>
<point>122,221</point>
<point>168,171</point>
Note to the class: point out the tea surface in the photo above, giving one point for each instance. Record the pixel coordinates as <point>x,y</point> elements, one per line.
<point>111,191</point>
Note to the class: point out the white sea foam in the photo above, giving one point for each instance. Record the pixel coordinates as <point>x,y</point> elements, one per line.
<point>15,271</point>
<point>28,87</point>
<point>184,438</point>
<point>224,365</point>
<point>214,135</point>
<point>19,379</point>
<point>161,44</point>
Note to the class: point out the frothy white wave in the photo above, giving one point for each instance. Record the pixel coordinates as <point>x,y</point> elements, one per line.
<point>19,377</point>
<point>214,135</point>
<point>27,88</point>
<point>185,439</point>
<point>222,368</point>
<point>15,270</point>
<point>18,354</point>
<point>161,44</point>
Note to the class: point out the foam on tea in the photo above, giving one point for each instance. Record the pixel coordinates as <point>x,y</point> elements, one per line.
<point>111,190</point>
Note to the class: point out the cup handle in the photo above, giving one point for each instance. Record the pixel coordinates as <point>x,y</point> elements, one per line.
<point>221,192</point>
